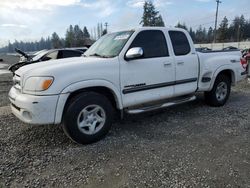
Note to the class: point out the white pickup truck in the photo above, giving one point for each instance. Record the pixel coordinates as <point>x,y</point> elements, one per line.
<point>130,71</point>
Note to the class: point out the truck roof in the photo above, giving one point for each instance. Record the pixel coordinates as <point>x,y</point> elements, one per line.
<point>160,28</point>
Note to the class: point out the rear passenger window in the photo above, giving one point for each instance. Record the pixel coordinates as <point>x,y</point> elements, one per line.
<point>180,43</point>
<point>152,42</point>
<point>71,53</point>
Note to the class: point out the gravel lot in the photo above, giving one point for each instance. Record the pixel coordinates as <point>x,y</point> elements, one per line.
<point>191,145</point>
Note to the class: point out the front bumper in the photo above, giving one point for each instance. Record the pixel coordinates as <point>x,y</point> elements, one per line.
<point>33,109</point>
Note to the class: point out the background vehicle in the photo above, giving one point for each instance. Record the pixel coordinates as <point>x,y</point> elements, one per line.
<point>82,49</point>
<point>246,56</point>
<point>45,55</point>
<point>230,48</point>
<point>203,49</point>
<point>130,71</point>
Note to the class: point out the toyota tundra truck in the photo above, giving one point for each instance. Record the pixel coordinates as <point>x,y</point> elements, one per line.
<point>131,72</point>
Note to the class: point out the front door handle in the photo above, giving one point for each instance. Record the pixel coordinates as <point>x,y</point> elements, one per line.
<point>166,64</point>
<point>180,63</point>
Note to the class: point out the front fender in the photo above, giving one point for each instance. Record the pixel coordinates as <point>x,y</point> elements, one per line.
<point>65,93</point>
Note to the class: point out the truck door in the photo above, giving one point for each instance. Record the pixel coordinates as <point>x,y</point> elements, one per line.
<point>151,76</point>
<point>187,63</point>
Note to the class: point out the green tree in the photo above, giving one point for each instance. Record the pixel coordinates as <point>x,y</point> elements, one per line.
<point>151,16</point>
<point>192,33</point>
<point>183,26</point>
<point>210,35</point>
<point>86,32</point>
<point>236,29</point>
<point>223,30</point>
<point>69,38</point>
<point>159,21</point>
<point>78,37</point>
<point>56,41</point>
<point>201,35</point>
<point>246,30</point>
<point>204,35</point>
<point>104,32</point>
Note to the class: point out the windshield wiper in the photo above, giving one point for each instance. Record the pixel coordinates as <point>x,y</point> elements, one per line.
<point>99,55</point>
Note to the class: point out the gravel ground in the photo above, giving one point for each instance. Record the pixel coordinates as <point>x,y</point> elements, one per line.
<point>5,85</point>
<point>5,79</point>
<point>191,145</point>
<point>8,59</point>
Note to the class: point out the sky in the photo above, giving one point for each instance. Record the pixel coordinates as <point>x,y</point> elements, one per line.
<point>29,20</point>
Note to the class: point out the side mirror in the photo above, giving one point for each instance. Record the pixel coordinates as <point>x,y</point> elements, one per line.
<point>134,53</point>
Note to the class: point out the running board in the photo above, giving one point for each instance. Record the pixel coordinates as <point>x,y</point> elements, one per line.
<point>160,106</point>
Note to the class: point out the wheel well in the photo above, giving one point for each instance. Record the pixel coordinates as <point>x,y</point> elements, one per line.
<point>101,90</point>
<point>229,74</point>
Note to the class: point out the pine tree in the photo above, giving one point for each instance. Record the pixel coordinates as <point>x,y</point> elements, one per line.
<point>192,33</point>
<point>210,35</point>
<point>159,22</point>
<point>10,47</point>
<point>56,41</point>
<point>183,26</point>
<point>69,38</point>
<point>204,35</point>
<point>246,30</point>
<point>151,16</point>
<point>85,32</point>
<point>236,28</point>
<point>223,30</point>
<point>104,32</point>
<point>199,35</point>
<point>78,37</point>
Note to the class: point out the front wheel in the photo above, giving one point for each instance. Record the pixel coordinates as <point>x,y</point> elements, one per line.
<point>88,118</point>
<point>220,93</point>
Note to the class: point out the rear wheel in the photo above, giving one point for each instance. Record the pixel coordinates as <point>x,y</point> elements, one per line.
<point>220,93</point>
<point>88,118</point>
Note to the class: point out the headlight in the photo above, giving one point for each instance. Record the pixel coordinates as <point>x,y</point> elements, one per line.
<point>38,83</point>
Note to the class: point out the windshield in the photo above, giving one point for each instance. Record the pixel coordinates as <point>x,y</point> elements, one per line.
<point>109,45</point>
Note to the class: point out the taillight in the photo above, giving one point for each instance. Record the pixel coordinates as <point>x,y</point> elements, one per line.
<point>243,62</point>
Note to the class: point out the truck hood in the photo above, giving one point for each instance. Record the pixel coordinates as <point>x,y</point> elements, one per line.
<point>71,70</point>
<point>52,66</point>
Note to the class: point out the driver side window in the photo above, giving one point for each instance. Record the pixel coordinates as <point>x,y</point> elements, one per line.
<point>152,42</point>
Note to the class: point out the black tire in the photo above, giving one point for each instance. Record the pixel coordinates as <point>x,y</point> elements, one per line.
<point>211,97</point>
<point>72,113</point>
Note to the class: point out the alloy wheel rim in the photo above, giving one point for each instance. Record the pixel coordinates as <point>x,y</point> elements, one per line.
<point>221,91</point>
<point>91,119</point>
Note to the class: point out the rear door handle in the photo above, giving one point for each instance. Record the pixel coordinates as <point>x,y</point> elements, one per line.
<point>180,63</point>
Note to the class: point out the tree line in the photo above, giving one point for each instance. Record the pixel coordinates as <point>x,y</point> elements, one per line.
<point>74,37</point>
<point>235,30</point>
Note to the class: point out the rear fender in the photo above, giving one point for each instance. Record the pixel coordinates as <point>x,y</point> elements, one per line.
<point>220,70</point>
